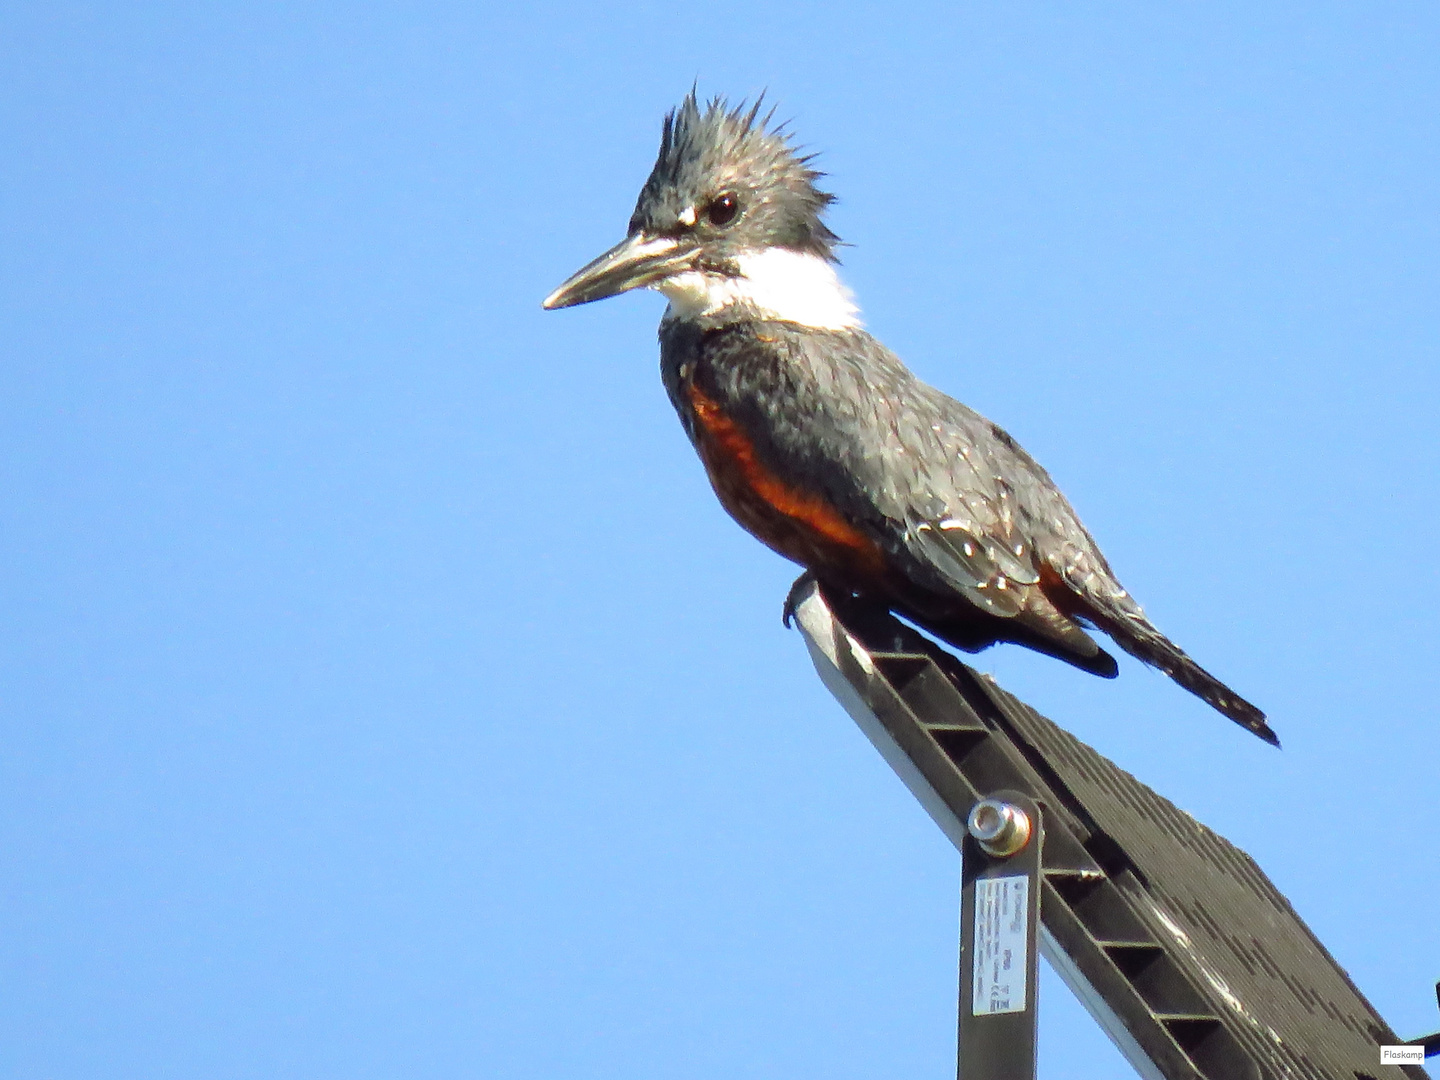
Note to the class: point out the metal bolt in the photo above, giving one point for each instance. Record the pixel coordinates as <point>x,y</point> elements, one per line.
<point>998,827</point>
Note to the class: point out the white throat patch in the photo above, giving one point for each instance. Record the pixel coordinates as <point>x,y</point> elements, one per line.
<point>775,284</point>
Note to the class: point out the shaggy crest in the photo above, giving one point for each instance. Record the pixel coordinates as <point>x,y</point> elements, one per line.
<point>724,149</point>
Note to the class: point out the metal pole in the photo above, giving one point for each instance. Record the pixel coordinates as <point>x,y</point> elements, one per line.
<point>999,924</point>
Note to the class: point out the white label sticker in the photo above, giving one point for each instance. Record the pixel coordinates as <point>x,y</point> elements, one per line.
<point>1402,1055</point>
<point>1001,910</point>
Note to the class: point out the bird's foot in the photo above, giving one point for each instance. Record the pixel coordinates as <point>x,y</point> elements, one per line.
<point>794,596</point>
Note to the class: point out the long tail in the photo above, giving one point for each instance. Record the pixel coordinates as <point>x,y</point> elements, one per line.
<point>1141,640</point>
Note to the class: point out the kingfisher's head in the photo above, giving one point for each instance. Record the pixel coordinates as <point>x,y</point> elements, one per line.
<point>729,223</point>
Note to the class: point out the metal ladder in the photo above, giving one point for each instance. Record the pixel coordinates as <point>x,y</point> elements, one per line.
<point>1174,940</point>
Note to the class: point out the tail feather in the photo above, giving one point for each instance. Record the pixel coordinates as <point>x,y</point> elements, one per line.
<point>1141,640</point>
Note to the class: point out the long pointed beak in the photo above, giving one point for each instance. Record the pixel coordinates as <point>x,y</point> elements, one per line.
<point>636,261</point>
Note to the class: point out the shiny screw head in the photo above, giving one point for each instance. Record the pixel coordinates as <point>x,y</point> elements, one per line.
<point>1000,828</point>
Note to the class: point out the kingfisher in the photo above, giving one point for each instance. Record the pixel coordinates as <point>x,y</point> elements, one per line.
<point>824,446</point>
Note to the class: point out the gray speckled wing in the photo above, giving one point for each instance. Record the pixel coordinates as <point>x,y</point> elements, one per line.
<point>983,515</point>
<point>974,512</point>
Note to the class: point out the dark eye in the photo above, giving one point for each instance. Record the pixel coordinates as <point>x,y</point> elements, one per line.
<point>722,209</point>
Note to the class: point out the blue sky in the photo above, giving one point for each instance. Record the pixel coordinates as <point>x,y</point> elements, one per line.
<point>383,691</point>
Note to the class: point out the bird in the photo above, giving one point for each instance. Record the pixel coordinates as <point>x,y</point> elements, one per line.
<point>821,443</point>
